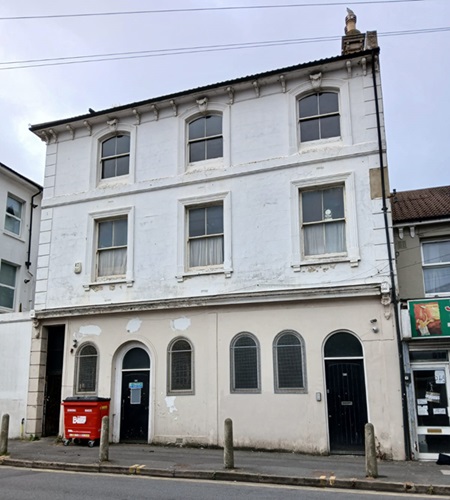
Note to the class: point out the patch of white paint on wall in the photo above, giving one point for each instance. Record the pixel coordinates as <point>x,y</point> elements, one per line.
<point>87,330</point>
<point>134,325</point>
<point>170,403</point>
<point>180,324</point>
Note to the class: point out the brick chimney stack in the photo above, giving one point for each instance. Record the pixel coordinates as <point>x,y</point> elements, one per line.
<point>354,40</point>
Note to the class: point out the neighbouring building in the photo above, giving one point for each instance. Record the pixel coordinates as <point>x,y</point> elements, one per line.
<point>222,252</point>
<point>422,243</point>
<point>20,200</point>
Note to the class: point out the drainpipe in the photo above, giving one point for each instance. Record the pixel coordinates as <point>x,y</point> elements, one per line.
<point>391,268</point>
<point>30,232</point>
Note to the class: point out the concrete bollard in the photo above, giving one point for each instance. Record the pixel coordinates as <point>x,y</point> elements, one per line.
<point>371,454</point>
<point>228,449</point>
<point>103,454</point>
<point>4,434</point>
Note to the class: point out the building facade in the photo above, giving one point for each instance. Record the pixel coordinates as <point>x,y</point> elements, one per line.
<point>422,242</point>
<point>20,200</point>
<point>222,253</point>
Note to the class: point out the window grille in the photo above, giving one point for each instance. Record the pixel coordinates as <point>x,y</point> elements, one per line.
<point>87,369</point>
<point>245,364</point>
<point>180,363</point>
<point>289,362</point>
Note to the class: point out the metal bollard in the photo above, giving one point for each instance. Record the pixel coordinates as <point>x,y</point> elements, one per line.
<point>103,454</point>
<point>4,434</point>
<point>228,449</point>
<point>371,454</point>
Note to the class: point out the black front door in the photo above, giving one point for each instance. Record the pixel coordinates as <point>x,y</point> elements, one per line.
<point>347,407</point>
<point>135,406</point>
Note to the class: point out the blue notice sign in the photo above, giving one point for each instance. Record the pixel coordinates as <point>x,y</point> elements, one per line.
<point>136,385</point>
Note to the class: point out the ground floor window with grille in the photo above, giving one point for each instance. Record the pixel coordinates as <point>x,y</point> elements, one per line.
<point>86,379</point>
<point>288,353</point>
<point>436,266</point>
<point>245,364</point>
<point>180,365</point>
<point>7,284</point>
<point>205,236</point>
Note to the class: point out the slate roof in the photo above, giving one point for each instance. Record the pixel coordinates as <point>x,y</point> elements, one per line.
<point>421,204</point>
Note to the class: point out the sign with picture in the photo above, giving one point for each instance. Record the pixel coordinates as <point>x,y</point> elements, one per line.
<point>430,318</point>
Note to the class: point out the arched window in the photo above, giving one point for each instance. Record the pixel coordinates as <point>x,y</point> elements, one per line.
<point>205,139</point>
<point>180,365</point>
<point>289,363</point>
<point>245,364</point>
<point>343,345</point>
<point>86,362</point>
<point>115,156</point>
<point>319,116</point>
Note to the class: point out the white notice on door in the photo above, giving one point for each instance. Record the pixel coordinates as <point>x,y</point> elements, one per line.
<point>439,411</point>
<point>439,376</point>
<point>422,410</point>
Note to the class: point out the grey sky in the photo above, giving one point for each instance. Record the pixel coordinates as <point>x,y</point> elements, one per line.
<point>415,68</point>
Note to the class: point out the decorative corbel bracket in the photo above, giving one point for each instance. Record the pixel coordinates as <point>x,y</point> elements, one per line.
<point>36,327</point>
<point>71,131</point>
<point>256,88</point>
<point>44,136</point>
<point>112,124</point>
<point>364,65</point>
<point>349,68</point>
<point>88,126</point>
<point>202,104</point>
<point>230,92</point>
<point>412,231</point>
<point>386,299</point>
<point>400,233</point>
<point>137,115</point>
<point>316,81</point>
<point>282,80</point>
<point>155,110</point>
<point>53,134</point>
<point>174,107</point>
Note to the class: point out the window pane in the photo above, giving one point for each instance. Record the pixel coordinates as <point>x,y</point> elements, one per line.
<point>136,358</point>
<point>6,297</point>
<point>214,219</point>
<point>120,227</point>
<point>12,225</point>
<point>329,127</point>
<point>123,144</point>
<point>343,345</point>
<point>181,377</point>
<point>214,148</point>
<point>312,206</point>
<point>181,345</point>
<point>7,274</point>
<point>88,350</point>
<point>308,106</point>
<point>436,252</point>
<point>112,262</point>
<point>197,151</point>
<point>245,366</point>
<point>213,125</point>
<point>122,165</point>
<point>314,243</point>
<point>197,221</point>
<point>309,130</point>
<point>289,359</point>
<point>105,234</point>
<point>109,147</point>
<point>333,203</point>
<point>335,237</point>
<point>14,207</point>
<point>206,251</point>
<point>87,370</point>
<point>197,129</point>
<point>108,168</point>
<point>437,280</point>
<point>328,103</point>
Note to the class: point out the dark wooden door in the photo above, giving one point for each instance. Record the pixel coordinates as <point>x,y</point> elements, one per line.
<point>135,406</point>
<point>347,407</point>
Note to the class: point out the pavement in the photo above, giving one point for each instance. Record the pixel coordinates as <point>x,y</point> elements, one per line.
<point>333,471</point>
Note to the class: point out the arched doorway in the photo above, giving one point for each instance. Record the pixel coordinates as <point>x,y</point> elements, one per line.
<point>346,393</point>
<point>135,395</point>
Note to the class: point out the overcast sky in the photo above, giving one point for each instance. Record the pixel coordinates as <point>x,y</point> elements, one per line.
<point>415,68</point>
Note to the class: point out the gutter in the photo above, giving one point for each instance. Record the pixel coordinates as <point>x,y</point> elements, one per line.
<point>391,267</point>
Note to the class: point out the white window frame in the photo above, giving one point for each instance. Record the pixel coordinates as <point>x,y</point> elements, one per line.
<point>14,288</point>
<point>188,116</point>
<point>20,220</point>
<point>91,278</point>
<point>318,116</point>
<point>77,368</point>
<point>352,255</point>
<point>433,266</point>
<point>183,269</point>
<point>98,138</point>
<point>341,87</point>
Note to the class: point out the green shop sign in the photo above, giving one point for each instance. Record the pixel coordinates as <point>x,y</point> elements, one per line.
<point>430,318</point>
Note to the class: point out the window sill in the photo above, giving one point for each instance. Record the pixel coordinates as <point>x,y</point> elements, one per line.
<point>245,391</point>
<point>181,393</point>
<point>205,164</point>
<point>203,272</point>
<point>317,261</point>
<point>312,145</point>
<point>108,282</point>
<point>291,391</point>
<point>13,235</point>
